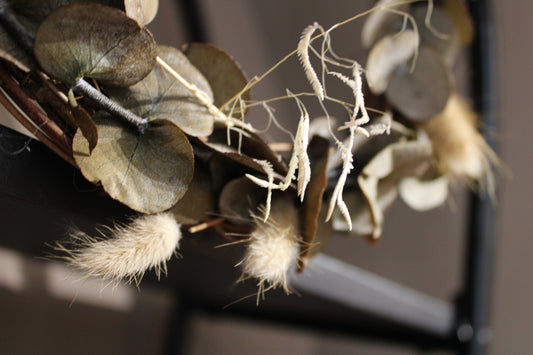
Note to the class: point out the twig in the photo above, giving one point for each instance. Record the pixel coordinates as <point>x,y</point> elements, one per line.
<point>110,106</point>
<point>208,224</point>
<point>30,127</point>
<point>38,117</point>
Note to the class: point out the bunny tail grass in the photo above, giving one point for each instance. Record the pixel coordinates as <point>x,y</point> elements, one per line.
<point>148,242</point>
<point>460,149</point>
<point>273,247</point>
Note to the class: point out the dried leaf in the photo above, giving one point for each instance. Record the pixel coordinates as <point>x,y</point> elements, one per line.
<point>382,22</point>
<point>318,153</point>
<point>388,53</point>
<point>149,173</point>
<point>159,95</point>
<point>250,145</point>
<point>395,162</point>
<point>92,40</point>
<point>239,199</point>
<point>362,221</point>
<point>199,200</point>
<point>221,71</point>
<point>142,11</point>
<point>323,234</point>
<point>86,125</point>
<point>422,93</point>
<point>423,195</point>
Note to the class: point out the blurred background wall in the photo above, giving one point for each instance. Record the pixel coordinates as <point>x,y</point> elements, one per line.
<point>423,251</point>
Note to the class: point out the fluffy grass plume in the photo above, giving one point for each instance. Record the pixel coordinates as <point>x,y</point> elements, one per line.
<point>273,247</point>
<point>148,242</point>
<point>460,149</point>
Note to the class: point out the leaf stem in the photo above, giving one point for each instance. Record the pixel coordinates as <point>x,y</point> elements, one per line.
<point>204,99</point>
<point>110,106</point>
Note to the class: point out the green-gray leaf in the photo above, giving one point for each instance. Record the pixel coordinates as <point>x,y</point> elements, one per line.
<point>221,71</point>
<point>149,173</point>
<point>160,95</point>
<point>142,11</point>
<point>92,40</point>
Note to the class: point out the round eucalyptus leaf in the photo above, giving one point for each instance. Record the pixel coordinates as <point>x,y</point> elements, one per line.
<point>422,93</point>
<point>423,195</point>
<point>383,21</point>
<point>149,173</point>
<point>142,11</point>
<point>387,54</point>
<point>198,203</point>
<point>160,95</point>
<point>91,40</point>
<point>239,199</point>
<point>221,71</point>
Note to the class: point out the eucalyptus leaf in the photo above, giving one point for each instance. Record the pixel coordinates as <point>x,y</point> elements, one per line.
<point>160,95</point>
<point>221,71</point>
<point>149,173</point>
<point>383,21</point>
<point>363,222</point>
<point>379,178</point>
<point>239,199</point>
<point>250,145</point>
<point>388,53</point>
<point>398,157</point>
<point>422,93</point>
<point>423,195</point>
<point>318,151</point>
<point>86,125</point>
<point>91,40</point>
<point>142,11</point>
<point>198,203</point>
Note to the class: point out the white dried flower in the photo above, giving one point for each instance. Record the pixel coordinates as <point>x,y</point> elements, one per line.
<point>273,247</point>
<point>148,242</point>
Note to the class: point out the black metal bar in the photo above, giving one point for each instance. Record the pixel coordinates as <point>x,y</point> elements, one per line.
<point>473,329</point>
<point>356,288</point>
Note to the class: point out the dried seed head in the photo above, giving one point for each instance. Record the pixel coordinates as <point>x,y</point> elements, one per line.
<point>460,149</point>
<point>148,242</point>
<point>273,247</point>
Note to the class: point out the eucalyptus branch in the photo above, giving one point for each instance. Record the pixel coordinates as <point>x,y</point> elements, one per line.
<point>10,22</point>
<point>110,106</point>
<point>204,99</point>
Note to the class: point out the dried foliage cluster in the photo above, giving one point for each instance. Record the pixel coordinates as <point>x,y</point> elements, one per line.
<point>164,131</point>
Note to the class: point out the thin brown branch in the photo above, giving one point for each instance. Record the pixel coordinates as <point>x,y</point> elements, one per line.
<point>35,114</point>
<point>4,100</point>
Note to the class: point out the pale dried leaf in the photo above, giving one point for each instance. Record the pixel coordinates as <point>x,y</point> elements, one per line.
<point>423,195</point>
